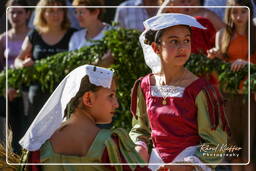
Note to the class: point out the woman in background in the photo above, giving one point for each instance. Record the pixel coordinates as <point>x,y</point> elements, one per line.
<point>51,35</point>
<point>18,19</point>
<point>232,46</point>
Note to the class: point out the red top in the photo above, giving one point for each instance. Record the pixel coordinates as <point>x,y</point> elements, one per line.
<point>174,125</point>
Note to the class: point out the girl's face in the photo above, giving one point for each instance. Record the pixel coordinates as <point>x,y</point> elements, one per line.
<point>174,47</point>
<point>54,16</point>
<point>239,16</point>
<point>17,17</point>
<point>104,104</point>
<point>86,17</point>
<point>174,3</point>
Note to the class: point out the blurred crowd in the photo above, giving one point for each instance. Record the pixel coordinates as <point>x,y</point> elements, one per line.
<point>35,33</point>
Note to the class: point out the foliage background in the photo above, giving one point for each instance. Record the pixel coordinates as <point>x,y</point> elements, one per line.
<point>129,66</point>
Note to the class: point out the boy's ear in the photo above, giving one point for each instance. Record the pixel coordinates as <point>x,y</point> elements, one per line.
<point>155,47</point>
<point>88,98</point>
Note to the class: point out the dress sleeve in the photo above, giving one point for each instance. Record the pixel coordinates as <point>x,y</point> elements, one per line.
<point>140,132</point>
<point>209,150</point>
<point>120,149</point>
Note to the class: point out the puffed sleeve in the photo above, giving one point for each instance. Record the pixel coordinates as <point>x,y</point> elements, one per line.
<point>211,137</point>
<point>140,132</point>
<point>212,128</point>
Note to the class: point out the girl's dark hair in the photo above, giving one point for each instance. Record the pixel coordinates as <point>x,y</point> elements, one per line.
<point>154,36</point>
<point>85,86</point>
<point>17,3</point>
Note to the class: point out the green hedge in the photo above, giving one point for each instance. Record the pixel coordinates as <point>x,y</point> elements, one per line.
<point>129,66</point>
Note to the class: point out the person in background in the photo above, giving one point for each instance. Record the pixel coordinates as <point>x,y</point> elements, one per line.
<point>67,132</point>
<point>93,28</point>
<point>132,18</point>
<point>232,46</point>
<point>202,40</point>
<point>219,11</point>
<point>18,19</point>
<point>206,13</point>
<point>51,35</point>
<point>172,106</point>
<point>90,20</point>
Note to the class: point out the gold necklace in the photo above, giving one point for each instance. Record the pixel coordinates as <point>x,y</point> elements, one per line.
<point>164,102</point>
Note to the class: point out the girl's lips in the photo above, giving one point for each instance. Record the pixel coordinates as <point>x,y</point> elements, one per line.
<point>180,56</point>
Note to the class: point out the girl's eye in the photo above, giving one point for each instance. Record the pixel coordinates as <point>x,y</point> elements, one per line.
<point>187,41</point>
<point>174,41</point>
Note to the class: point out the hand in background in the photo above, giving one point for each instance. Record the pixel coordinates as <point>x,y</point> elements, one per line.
<point>213,53</point>
<point>238,64</point>
<point>28,62</point>
<point>143,152</point>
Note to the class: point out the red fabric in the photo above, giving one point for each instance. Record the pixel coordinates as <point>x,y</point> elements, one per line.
<point>34,158</point>
<point>105,159</point>
<point>174,125</point>
<point>202,40</point>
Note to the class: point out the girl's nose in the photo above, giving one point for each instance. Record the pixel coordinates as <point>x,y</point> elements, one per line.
<point>116,104</point>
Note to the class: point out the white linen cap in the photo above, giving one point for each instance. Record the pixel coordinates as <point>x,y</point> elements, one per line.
<point>159,22</point>
<point>166,20</point>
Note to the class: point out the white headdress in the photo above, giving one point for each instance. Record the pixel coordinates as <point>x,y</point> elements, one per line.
<point>160,22</point>
<point>51,115</point>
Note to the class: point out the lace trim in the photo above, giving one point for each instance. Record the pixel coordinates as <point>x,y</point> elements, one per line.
<point>167,91</point>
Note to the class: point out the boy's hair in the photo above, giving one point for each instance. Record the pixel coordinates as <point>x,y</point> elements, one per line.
<point>39,20</point>
<point>230,27</point>
<point>91,3</point>
<point>85,86</point>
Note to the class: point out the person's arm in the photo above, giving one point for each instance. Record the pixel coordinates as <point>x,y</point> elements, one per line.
<point>211,138</point>
<point>216,51</point>
<point>119,148</point>
<point>140,132</point>
<point>2,59</point>
<point>24,58</point>
<point>106,60</point>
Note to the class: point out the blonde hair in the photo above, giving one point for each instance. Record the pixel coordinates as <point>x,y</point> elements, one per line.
<point>91,3</point>
<point>230,27</point>
<point>39,20</point>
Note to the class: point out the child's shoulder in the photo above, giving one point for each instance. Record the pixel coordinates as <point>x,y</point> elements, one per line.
<point>69,139</point>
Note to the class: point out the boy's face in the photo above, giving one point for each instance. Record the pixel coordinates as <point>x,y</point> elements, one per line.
<point>105,104</point>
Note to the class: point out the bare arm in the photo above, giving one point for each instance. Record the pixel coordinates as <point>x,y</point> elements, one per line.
<point>107,60</point>
<point>215,52</point>
<point>2,64</point>
<point>24,58</point>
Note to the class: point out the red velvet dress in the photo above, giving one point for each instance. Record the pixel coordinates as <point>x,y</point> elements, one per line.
<point>174,125</point>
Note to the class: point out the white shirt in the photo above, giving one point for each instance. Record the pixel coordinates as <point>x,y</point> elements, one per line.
<point>79,40</point>
<point>131,18</point>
